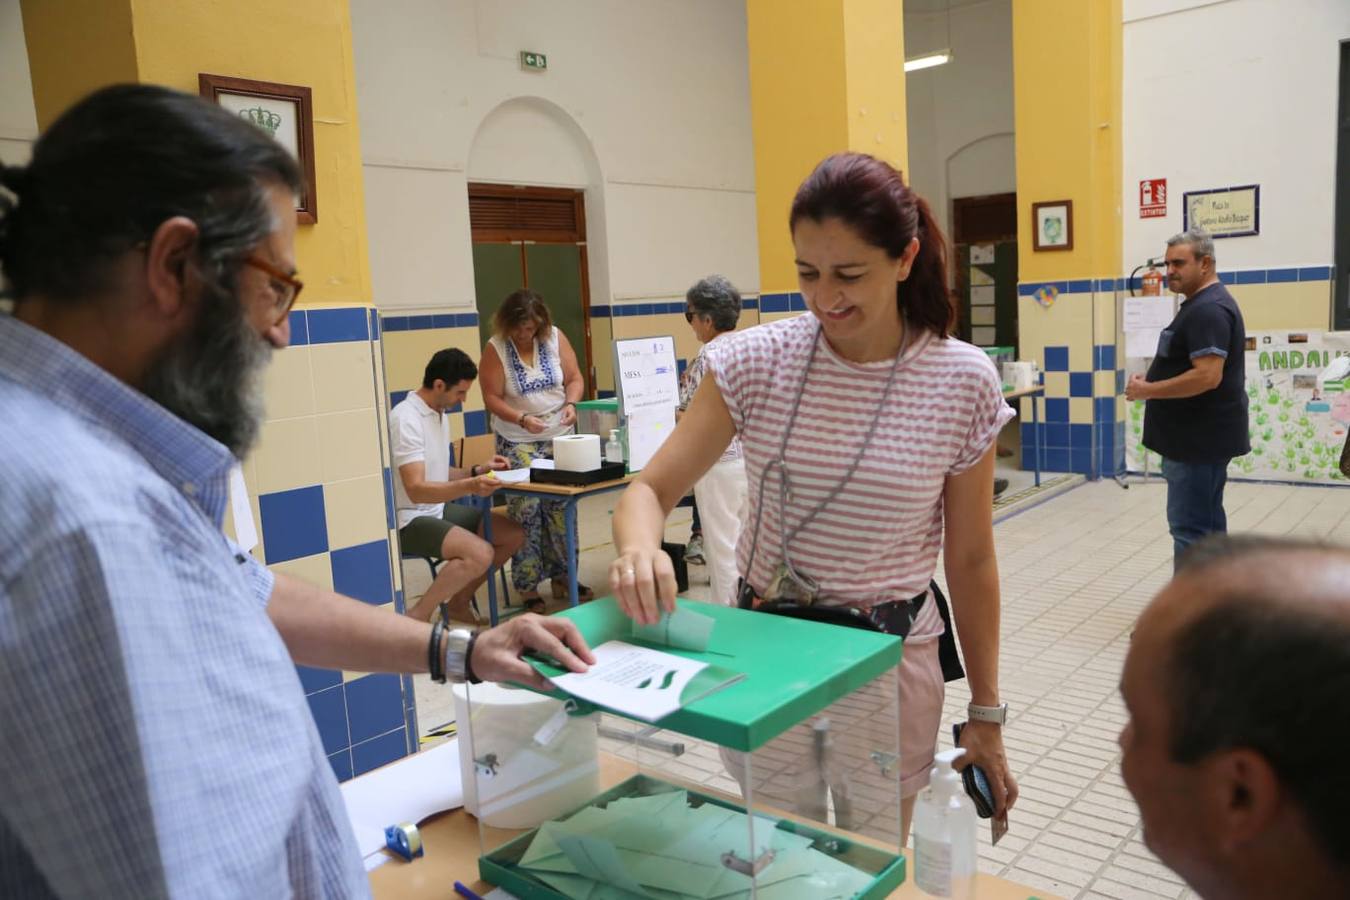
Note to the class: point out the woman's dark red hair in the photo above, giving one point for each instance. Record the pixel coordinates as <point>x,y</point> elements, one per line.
<point>871,197</point>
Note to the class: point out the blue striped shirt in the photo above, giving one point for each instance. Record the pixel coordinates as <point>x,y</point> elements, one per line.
<point>154,737</point>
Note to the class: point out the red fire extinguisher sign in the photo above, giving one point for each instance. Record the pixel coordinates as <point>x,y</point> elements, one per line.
<point>1153,198</point>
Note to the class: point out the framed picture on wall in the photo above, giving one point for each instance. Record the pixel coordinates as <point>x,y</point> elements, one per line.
<point>283,111</point>
<point>1053,223</point>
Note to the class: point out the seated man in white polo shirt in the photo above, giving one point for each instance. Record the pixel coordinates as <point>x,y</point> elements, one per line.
<point>429,525</point>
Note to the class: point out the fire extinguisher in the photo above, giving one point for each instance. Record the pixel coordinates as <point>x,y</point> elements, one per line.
<point>1152,283</point>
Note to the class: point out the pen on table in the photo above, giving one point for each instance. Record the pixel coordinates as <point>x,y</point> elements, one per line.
<point>465,892</point>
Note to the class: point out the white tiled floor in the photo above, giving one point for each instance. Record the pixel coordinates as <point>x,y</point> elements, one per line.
<point>1076,571</point>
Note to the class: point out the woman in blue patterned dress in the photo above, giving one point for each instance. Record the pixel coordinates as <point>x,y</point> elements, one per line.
<point>531,383</point>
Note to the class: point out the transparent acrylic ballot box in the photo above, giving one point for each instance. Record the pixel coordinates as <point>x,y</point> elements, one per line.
<point>778,777</point>
<point>597,416</point>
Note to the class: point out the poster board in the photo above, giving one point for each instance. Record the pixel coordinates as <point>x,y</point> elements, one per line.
<point>647,378</point>
<point>1297,428</point>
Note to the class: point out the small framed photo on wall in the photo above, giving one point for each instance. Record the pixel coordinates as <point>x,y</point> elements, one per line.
<point>282,110</point>
<point>1053,223</point>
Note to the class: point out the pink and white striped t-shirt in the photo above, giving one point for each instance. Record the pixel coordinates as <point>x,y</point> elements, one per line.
<point>878,540</point>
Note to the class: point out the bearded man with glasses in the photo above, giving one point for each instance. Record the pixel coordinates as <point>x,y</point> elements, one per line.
<point>157,741</point>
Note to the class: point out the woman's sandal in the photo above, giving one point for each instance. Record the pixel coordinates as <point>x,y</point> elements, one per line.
<point>471,614</point>
<point>584,593</point>
<point>534,604</point>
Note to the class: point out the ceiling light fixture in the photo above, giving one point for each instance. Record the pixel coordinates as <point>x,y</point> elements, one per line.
<point>928,60</point>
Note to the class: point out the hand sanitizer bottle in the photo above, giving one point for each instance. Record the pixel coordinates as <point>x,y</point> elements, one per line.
<point>613,449</point>
<point>944,833</point>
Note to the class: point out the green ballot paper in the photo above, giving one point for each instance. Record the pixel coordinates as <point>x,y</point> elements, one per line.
<point>669,846</point>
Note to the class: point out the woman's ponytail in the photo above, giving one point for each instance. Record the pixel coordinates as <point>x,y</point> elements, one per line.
<point>924,297</point>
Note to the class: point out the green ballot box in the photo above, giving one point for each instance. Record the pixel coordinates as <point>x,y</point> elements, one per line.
<point>751,755</point>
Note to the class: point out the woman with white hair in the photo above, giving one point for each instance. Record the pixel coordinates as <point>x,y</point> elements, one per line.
<point>712,307</point>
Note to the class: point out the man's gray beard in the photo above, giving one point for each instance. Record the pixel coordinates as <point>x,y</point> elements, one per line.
<point>213,377</point>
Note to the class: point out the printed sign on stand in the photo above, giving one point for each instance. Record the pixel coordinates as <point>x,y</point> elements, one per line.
<point>649,390</point>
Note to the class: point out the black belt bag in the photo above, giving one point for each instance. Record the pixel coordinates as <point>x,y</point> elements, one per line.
<point>895,617</point>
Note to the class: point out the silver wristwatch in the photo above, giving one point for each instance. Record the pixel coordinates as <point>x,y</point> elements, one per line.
<point>457,654</point>
<point>997,715</point>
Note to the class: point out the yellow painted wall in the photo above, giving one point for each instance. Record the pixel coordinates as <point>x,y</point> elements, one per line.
<point>325,425</point>
<point>602,352</point>
<point>825,76</point>
<point>874,56</point>
<point>1277,307</point>
<point>406,354</point>
<point>1067,85</point>
<point>1067,323</point>
<point>797,115</point>
<point>1108,152</point>
<point>75,47</point>
<point>305,42</point>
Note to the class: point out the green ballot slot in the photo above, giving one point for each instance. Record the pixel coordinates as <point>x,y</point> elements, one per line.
<point>742,755</point>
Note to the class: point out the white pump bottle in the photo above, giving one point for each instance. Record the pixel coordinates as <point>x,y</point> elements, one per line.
<point>613,447</point>
<point>944,833</point>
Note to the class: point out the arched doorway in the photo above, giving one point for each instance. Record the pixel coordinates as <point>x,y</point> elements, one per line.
<point>534,193</point>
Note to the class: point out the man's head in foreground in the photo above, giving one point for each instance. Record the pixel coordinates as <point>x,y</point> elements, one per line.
<point>154,233</point>
<point>1237,684</point>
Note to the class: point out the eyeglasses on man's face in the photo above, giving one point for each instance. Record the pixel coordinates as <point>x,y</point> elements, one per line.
<point>285,287</point>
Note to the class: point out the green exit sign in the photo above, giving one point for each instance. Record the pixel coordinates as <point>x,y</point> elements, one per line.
<point>531,60</point>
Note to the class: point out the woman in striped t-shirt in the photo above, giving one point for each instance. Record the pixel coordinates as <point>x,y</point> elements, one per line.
<point>868,437</point>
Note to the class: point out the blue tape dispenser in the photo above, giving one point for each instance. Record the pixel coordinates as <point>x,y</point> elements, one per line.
<point>404,840</point>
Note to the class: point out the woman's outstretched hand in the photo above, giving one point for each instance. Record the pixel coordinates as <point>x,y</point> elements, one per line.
<point>643,581</point>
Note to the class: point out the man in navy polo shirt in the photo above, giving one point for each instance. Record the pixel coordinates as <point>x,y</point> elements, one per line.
<point>1196,415</point>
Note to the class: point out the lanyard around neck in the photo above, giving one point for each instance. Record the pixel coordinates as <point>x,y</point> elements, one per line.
<point>779,461</point>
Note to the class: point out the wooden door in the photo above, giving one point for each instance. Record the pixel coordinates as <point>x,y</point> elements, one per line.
<point>536,238</point>
<point>981,225</point>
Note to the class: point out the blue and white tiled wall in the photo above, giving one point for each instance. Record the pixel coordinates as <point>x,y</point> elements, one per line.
<point>1081,356</point>
<point>1082,415</point>
<point>778,306</point>
<point>323,513</point>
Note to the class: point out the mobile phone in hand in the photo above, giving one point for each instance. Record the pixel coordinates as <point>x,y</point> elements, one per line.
<point>977,788</point>
<point>976,782</point>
